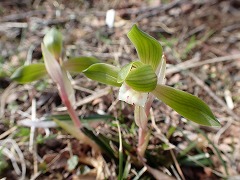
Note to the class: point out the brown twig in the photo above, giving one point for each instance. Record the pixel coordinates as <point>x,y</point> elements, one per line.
<point>7,25</point>
<point>8,132</point>
<point>157,174</point>
<point>212,94</point>
<point>4,96</point>
<point>14,17</point>
<point>191,63</point>
<point>89,98</point>
<point>149,12</point>
<point>177,164</point>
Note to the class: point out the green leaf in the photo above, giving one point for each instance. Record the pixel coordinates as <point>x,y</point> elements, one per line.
<point>142,79</point>
<point>53,42</point>
<point>79,64</point>
<point>22,132</point>
<point>127,168</point>
<point>29,73</point>
<point>86,120</point>
<point>187,105</point>
<point>104,73</point>
<point>196,160</point>
<point>102,141</point>
<point>149,49</point>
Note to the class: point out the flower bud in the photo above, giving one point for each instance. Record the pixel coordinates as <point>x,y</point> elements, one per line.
<point>53,42</point>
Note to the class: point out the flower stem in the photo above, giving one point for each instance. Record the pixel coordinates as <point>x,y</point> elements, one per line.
<point>72,114</point>
<point>143,139</point>
<point>77,122</point>
<point>143,132</point>
<point>141,119</point>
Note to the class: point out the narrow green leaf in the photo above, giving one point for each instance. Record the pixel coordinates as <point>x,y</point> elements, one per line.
<point>102,141</point>
<point>84,119</point>
<point>187,105</point>
<point>196,160</point>
<point>104,73</point>
<point>149,49</point>
<point>29,73</point>
<point>142,79</point>
<point>53,42</point>
<point>120,154</point>
<point>79,64</point>
<point>127,168</point>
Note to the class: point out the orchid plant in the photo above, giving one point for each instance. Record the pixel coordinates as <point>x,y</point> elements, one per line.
<point>58,71</point>
<point>140,81</point>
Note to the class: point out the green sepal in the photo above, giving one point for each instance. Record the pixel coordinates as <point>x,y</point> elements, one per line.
<point>29,73</point>
<point>53,41</point>
<point>104,73</point>
<point>142,78</point>
<point>79,64</point>
<point>149,49</point>
<point>187,105</point>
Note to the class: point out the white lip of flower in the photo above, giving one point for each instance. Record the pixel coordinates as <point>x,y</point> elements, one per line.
<point>131,96</point>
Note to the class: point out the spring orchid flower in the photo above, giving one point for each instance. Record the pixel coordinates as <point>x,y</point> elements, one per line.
<point>133,97</point>
<point>143,80</point>
<point>142,102</point>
